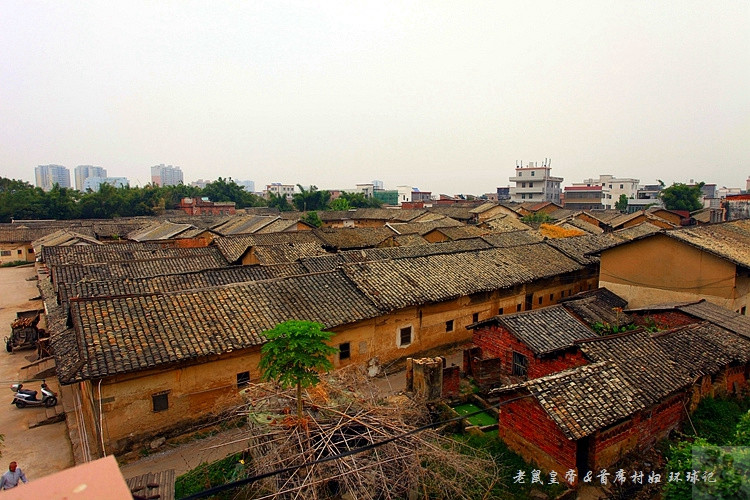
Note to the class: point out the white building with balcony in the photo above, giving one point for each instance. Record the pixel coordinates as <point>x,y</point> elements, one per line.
<point>535,183</point>
<point>612,188</point>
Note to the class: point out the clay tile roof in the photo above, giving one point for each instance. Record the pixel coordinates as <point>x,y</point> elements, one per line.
<point>279,226</point>
<point>159,231</point>
<point>461,213</point>
<point>234,247</point>
<point>704,348</point>
<point>291,252</point>
<point>404,282</point>
<point>636,232</point>
<point>580,248</point>
<point>718,315</point>
<point>21,235</point>
<point>461,232</point>
<point>545,330</point>
<point>240,224</point>
<point>406,240</point>
<point>643,360</point>
<point>422,228</point>
<point>585,399</point>
<point>63,237</point>
<point>513,238</point>
<point>117,252</point>
<point>505,223</point>
<point>728,240</point>
<point>132,333</point>
<point>178,282</point>
<point>584,226</point>
<point>73,273</point>
<point>351,238</point>
<point>483,208</point>
<point>598,306</point>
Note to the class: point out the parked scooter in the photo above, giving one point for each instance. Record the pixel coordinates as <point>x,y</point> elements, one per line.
<point>27,397</point>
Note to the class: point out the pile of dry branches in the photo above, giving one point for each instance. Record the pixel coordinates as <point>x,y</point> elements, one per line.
<point>346,413</point>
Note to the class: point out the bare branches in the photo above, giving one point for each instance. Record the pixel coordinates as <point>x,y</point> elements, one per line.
<point>347,412</point>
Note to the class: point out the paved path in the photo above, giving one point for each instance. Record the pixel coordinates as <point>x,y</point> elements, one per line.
<point>42,450</point>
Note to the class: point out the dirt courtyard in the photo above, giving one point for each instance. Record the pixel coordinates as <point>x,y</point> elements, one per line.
<point>42,450</point>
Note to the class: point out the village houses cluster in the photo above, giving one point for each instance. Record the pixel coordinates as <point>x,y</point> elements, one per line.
<point>611,326</point>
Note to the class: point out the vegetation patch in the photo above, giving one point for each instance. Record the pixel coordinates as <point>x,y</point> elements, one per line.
<point>206,476</point>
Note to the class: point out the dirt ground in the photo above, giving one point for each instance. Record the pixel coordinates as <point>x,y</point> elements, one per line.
<point>42,450</point>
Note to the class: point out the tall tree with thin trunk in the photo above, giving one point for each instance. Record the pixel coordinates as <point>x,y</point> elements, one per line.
<point>295,354</point>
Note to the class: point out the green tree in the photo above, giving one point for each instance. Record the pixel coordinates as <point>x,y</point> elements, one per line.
<point>313,219</point>
<point>358,200</point>
<point>279,201</point>
<point>680,196</point>
<point>339,204</point>
<point>311,199</point>
<point>622,203</point>
<point>295,353</point>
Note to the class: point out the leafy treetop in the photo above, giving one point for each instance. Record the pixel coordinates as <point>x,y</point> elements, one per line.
<point>680,196</point>
<point>295,353</point>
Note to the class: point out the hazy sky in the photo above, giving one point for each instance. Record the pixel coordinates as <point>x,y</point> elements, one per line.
<point>443,95</point>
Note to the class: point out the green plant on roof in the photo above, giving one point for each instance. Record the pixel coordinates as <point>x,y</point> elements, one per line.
<point>295,354</point>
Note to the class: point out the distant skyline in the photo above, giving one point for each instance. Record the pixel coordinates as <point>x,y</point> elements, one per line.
<point>440,95</point>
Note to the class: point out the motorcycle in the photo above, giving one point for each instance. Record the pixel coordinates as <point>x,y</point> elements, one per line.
<point>27,397</point>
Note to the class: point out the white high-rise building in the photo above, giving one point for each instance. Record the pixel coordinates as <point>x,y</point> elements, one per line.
<point>49,175</point>
<point>83,172</point>
<point>166,175</point>
<point>612,188</point>
<point>535,183</point>
<point>95,183</point>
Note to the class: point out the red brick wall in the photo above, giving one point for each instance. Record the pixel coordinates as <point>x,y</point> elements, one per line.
<point>640,432</point>
<point>735,374</point>
<point>451,381</point>
<point>497,342</point>
<point>664,319</point>
<point>525,422</point>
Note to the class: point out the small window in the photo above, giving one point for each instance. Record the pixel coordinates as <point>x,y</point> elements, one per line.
<point>30,250</point>
<point>531,184</point>
<point>5,253</point>
<point>551,296</point>
<point>518,307</point>
<point>404,336</point>
<point>523,196</point>
<point>243,378</point>
<point>621,186</point>
<point>345,351</point>
<point>520,364</point>
<point>500,311</point>
<point>539,301</point>
<point>743,310</point>
<point>475,317</point>
<point>523,184</point>
<point>160,401</point>
<point>19,252</point>
<point>532,173</point>
<point>449,325</point>
<point>520,174</point>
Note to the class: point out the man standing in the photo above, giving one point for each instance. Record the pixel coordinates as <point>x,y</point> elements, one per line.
<point>10,478</point>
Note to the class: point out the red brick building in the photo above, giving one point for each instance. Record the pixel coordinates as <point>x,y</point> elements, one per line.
<point>202,206</point>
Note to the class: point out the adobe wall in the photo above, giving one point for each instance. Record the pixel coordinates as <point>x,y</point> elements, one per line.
<point>18,251</point>
<point>194,392</point>
<point>660,269</point>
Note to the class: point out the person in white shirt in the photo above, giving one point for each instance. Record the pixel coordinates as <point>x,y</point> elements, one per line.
<point>10,479</point>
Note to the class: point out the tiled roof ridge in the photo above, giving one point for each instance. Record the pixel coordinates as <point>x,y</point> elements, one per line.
<point>604,338</point>
<point>681,328</point>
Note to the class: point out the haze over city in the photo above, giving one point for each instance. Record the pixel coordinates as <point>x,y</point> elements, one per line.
<point>444,96</point>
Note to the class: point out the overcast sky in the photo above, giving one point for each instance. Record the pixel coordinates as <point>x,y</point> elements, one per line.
<point>442,95</point>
